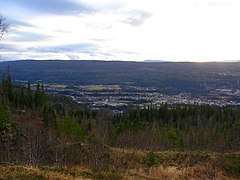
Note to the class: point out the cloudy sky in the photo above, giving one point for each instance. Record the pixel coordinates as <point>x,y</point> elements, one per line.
<point>172,30</point>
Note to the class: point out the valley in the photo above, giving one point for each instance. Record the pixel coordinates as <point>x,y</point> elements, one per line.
<point>118,98</point>
<point>70,126</point>
<point>115,85</point>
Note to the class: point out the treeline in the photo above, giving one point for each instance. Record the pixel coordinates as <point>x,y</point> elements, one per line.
<point>37,128</point>
<point>21,97</point>
<point>34,129</point>
<point>180,127</point>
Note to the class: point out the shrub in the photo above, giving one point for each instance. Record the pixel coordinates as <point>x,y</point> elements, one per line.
<point>151,159</point>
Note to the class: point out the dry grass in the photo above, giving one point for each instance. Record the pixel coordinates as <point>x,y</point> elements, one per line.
<point>160,172</point>
<point>173,172</point>
<point>53,173</point>
<point>180,165</point>
<point>131,164</point>
<point>27,172</point>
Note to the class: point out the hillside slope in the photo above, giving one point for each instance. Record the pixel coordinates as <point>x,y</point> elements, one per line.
<point>168,76</point>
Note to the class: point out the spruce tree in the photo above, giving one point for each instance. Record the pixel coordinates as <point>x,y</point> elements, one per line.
<point>29,95</point>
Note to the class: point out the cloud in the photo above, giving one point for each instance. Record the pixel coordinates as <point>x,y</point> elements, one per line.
<point>32,55</point>
<point>57,7</point>
<point>99,40</point>
<point>72,56</point>
<point>99,25</point>
<point>136,17</point>
<point>67,50</point>
<point>16,22</point>
<point>81,47</point>
<point>171,30</point>
<point>28,37</point>
<point>12,47</point>
<point>218,4</point>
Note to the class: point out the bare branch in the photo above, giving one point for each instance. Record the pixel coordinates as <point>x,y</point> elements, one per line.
<point>3,26</point>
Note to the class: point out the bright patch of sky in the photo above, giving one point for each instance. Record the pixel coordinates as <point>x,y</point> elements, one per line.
<point>136,30</point>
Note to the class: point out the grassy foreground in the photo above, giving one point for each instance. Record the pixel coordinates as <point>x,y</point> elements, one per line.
<point>131,164</point>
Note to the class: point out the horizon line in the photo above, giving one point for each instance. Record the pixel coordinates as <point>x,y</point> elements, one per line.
<point>140,61</point>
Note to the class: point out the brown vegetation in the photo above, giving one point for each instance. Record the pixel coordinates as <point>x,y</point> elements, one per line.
<point>131,164</point>
<point>40,139</point>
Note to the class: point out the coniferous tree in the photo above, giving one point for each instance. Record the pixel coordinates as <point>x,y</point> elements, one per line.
<point>29,95</point>
<point>9,85</point>
<point>39,98</point>
<point>49,116</point>
<point>8,131</point>
<point>22,99</point>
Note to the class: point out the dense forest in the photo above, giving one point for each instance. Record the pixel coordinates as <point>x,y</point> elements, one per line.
<point>180,127</point>
<point>41,129</point>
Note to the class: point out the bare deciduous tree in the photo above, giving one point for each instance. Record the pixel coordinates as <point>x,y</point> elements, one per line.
<point>3,26</point>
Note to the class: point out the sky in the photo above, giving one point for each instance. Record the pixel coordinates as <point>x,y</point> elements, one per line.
<point>129,30</point>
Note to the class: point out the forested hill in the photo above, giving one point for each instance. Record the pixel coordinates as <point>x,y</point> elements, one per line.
<point>55,134</point>
<point>165,75</point>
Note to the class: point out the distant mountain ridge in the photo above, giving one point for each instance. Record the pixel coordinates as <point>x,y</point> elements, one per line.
<point>168,76</point>
<point>148,60</point>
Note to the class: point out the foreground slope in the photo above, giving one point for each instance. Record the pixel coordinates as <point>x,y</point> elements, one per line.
<point>141,165</point>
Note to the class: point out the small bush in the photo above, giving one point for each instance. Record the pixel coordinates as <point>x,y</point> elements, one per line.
<point>151,159</point>
<point>232,165</point>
